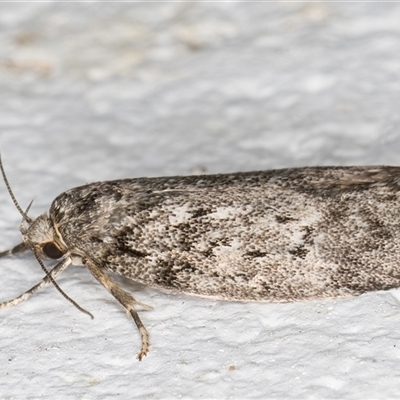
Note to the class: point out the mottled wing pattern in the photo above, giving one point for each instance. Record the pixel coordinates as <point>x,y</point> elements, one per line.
<point>279,235</point>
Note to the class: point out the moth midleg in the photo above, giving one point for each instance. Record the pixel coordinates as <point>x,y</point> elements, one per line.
<point>54,272</point>
<point>126,299</point>
<point>19,248</point>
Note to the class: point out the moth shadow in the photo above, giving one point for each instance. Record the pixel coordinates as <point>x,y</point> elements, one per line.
<point>135,288</point>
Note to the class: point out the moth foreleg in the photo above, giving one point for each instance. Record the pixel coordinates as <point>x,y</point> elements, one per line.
<point>60,267</point>
<point>127,301</point>
<point>19,248</point>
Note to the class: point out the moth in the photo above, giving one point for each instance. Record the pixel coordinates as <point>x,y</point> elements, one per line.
<point>279,235</point>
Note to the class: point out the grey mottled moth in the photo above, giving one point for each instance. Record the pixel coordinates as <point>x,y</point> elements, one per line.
<point>280,235</point>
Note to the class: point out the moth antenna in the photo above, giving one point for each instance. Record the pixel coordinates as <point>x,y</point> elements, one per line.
<point>73,302</point>
<point>10,192</point>
<point>22,227</point>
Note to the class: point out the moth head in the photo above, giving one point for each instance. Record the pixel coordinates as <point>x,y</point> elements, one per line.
<point>41,237</point>
<point>39,234</point>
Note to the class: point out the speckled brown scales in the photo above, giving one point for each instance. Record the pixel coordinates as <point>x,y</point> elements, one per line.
<point>279,235</point>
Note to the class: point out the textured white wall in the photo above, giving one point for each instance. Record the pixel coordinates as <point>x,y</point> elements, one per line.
<point>110,90</point>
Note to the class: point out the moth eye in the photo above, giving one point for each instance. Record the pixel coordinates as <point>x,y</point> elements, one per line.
<point>52,251</point>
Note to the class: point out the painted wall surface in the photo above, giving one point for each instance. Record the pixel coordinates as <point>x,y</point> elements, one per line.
<point>100,91</point>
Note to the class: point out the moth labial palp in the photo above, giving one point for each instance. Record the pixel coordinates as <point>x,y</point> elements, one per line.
<point>280,235</point>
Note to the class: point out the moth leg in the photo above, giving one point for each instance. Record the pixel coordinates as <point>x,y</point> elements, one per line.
<point>127,301</point>
<point>54,272</point>
<point>19,248</point>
